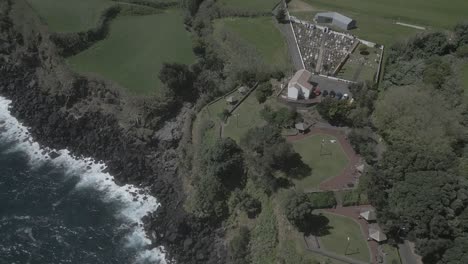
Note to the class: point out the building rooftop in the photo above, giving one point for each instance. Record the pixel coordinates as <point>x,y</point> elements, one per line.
<point>302,78</point>
<point>337,16</point>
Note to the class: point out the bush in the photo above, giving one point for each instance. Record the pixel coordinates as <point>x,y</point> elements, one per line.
<point>264,237</point>
<point>462,51</point>
<point>245,202</point>
<point>239,247</point>
<point>322,199</point>
<point>354,197</point>
<point>263,91</point>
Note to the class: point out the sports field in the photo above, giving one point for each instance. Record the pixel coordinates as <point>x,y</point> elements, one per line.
<point>135,50</point>
<point>249,5</point>
<point>342,228</point>
<point>376,18</point>
<point>326,162</point>
<point>260,33</point>
<point>70,15</point>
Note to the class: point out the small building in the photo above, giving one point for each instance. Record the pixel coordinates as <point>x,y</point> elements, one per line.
<point>335,19</point>
<point>369,215</point>
<point>243,90</point>
<point>301,127</point>
<point>360,168</point>
<point>299,86</point>
<point>377,235</point>
<point>231,99</point>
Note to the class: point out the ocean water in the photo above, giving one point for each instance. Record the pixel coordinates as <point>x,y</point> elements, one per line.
<point>66,210</point>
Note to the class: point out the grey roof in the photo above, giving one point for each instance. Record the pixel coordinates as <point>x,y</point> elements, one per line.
<point>335,16</point>
<point>300,126</point>
<point>369,215</point>
<point>377,235</point>
<point>242,89</point>
<point>231,99</point>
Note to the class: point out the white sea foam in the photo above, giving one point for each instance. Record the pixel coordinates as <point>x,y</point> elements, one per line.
<point>134,206</point>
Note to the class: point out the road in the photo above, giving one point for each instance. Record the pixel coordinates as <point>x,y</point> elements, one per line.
<point>293,49</point>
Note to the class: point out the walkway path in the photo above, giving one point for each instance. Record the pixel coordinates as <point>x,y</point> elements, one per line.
<point>347,179</point>
<point>353,213</point>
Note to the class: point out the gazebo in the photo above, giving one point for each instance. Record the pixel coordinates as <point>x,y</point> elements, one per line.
<point>369,215</point>
<point>231,99</point>
<point>242,89</point>
<point>377,235</point>
<point>360,168</point>
<point>301,127</point>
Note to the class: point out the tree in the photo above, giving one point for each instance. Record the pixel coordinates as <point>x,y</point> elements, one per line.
<point>461,33</point>
<point>263,91</point>
<point>363,143</point>
<point>298,210</point>
<point>436,72</point>
<point>179,79</point>
<point>335,111</point>
<point>462,51</point>
<point>280,118</point>
<point>225,160</point>
<point>281,14</point>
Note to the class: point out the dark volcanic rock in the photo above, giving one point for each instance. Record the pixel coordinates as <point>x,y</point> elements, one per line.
<point>90,118</point>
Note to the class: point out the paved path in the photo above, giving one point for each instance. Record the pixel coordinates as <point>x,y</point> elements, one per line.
<point>406,254</point>
<point>294,53</point>
<point>348,175</point>
<point>353,213</point>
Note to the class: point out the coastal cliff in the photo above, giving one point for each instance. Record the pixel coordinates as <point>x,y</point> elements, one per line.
<point>137,138</point>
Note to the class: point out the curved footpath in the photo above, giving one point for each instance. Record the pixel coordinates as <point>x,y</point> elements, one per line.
<point>91,118</point>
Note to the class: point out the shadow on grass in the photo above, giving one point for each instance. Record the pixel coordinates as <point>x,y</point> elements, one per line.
<point>296,168</point>
<point>316,225</point>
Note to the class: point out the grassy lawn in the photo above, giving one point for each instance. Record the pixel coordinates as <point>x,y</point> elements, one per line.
<point>249,5</point>
<point>210,114</point>
<point>135,49</point>
<point>261,33</point>
<point>332,161</point>
<point>342,228</point>
<point>361,67</point>
<point>392,256</point>
<point>375,18</point>
<point>464,76</point>
<point>70,15</point>
<point>247,116</point>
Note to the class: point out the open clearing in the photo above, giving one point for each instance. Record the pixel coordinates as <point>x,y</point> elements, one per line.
<point>132,55</point>
<point>70,15</point>
<point>325,162</point>
<point>342,228</point>
<point>260,33</point>
<point>249,5</point>
<point>376,18</point>
<point>392,256</point>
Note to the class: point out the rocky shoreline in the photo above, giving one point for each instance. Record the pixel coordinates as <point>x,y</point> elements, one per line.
<point>138,139</point>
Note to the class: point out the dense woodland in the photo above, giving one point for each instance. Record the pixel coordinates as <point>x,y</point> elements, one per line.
<point>418,181</point>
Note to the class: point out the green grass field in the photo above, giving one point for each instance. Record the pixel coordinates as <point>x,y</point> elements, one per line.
<point>391,254</point>
<point>375,18</point>
<point>361,67</point>
<point>70,15</point>
<point>262,34</point>
<point>342,228</point>
<point>132,55</point>
<point>324,165</point>
<point>249,5</point>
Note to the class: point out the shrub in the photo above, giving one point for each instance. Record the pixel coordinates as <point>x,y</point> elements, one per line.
<point>239,247</point>
<point>263,91</point>
<point>322,199</point>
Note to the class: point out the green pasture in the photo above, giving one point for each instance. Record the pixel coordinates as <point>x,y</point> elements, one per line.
<point>391,254</point>
<point>325,162</point>
<point>360,67</point>
<point>261,33</point>
<point>340,229</point>
<point>135,49</point>
<point>247,116</point>
<point>70,15</point>
<point>376,18</point>
<point>249,5</point>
